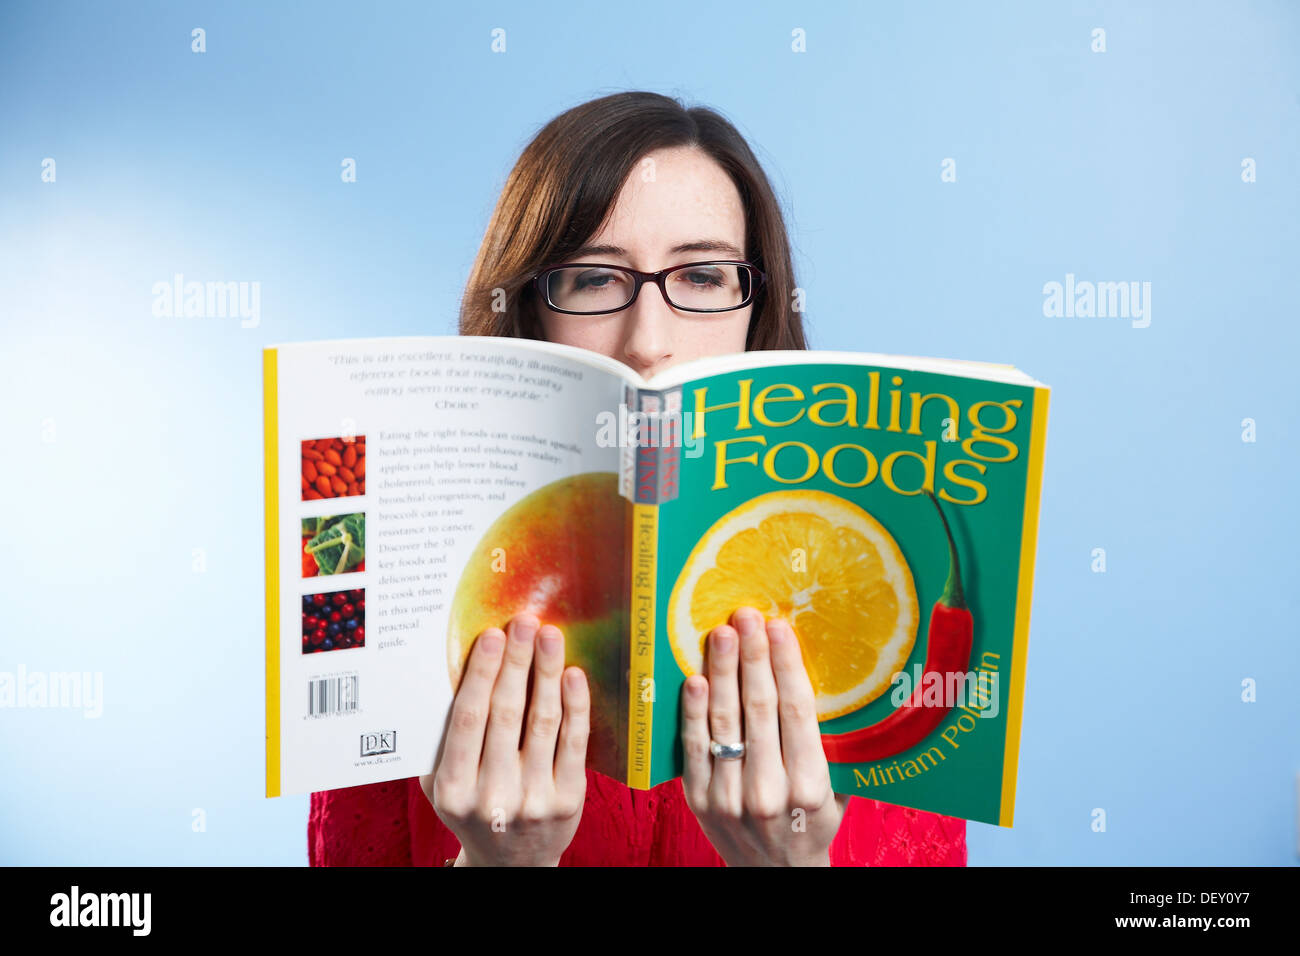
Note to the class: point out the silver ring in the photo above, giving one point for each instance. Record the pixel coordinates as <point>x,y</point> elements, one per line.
<point>726,751</point>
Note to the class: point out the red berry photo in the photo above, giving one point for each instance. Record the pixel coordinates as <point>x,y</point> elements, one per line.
<point>333,620</point>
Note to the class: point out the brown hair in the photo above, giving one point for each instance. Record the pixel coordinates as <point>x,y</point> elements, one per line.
<point>566,182</point>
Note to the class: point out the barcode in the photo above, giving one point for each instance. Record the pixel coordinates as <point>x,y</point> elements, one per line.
<point>332,695</point>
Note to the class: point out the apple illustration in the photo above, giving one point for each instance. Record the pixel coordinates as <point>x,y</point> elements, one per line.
<point>559,553</point>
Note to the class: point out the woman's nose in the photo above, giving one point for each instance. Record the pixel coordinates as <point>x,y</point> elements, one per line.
<point>648,339</point>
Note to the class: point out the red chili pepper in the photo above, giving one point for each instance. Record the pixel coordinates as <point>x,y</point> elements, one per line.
<point>951,632</point>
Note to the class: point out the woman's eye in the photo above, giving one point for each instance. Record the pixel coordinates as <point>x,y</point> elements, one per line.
<point>703,278</point>
<point>596,281</point>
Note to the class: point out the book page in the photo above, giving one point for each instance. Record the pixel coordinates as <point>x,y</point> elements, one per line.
<point>426,488</point>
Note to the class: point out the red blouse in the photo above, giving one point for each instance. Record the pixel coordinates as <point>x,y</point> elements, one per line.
<point>393,824</point>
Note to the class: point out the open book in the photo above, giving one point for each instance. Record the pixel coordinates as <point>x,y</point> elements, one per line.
<point>419,490</point>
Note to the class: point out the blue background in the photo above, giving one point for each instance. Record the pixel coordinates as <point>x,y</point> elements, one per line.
<point>224,166</point>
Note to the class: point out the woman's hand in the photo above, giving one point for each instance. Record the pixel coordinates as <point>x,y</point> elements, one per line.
<point>774,806</point>
<point>510,806</point>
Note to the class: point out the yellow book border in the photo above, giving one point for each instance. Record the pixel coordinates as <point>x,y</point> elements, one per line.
<point>1024,598</point>
<point>645,561</point>
<point>270,421</point>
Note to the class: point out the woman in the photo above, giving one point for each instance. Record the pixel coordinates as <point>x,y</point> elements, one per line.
<point>630,181</point>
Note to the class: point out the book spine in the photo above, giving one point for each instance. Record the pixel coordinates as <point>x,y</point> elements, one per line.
<point>646,483</point>
<point>650,475</point>
<point>652,445</point>
<point>670,445</point>
<point>641,686</point>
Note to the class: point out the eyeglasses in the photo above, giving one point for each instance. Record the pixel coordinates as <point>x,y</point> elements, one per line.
<point>588,288</point>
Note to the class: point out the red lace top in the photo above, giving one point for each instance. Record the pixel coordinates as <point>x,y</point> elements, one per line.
<point>393,824</point>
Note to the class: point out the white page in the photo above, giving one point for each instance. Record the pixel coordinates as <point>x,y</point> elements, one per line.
<point>402,681</point>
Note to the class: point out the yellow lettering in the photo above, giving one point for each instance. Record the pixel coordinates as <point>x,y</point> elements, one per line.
<point>828,466</point>
<point>741,406</point>
<point>849,401</point>
<point>765,396</point>
<point>982,434</point>
<point>950,472</point>
<point>769,462</point>
<point>918,405</point>
<point>927,461</point>
<point>722,461</point>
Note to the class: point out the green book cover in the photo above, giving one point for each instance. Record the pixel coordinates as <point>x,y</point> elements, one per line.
<point>801,490</point>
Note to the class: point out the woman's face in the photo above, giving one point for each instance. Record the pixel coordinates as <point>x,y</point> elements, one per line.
<point>688,211</point>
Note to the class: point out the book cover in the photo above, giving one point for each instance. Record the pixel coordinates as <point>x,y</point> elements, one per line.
<point>419,490</point>
<point>802,492</point>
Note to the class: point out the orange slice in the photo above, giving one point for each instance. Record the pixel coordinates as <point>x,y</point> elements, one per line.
<point>821,563</point>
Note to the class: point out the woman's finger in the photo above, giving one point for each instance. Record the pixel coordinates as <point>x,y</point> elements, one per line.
<point>697,766</point>
<point>801,741</point>
<point>546,711</point>
<point>763,772</point>
<point>509,696</point>
<point>463,746</point>
<point>724,715</point>
<point>571,750</point>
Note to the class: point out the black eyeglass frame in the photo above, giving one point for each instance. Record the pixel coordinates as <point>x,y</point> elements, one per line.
<point>757,278</point>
